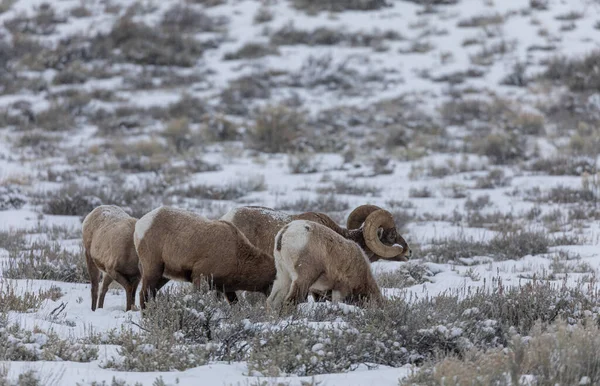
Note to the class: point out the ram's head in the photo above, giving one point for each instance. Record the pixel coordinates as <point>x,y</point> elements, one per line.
<point>380,233</point>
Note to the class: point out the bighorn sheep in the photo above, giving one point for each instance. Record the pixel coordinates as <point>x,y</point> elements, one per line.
<point>178,244</point>
<point>312,256</point>
<point>108,243</point>
<point>261,224</point>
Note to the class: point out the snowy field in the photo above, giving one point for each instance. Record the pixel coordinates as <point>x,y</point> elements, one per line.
<point>476,123</point>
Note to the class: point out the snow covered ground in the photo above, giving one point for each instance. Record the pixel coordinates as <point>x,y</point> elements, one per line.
<point>445,178</point>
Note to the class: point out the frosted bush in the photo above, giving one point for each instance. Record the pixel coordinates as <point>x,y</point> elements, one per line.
<point>11,198</point>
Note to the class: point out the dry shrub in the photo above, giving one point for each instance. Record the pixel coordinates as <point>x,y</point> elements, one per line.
<point>11,197</point>
<point>55,118</point>
<point>228,191</point>
<point>585,140</point>
<point>506,245</point>
<point>557,355</point>
<point>276,128</point>
<point>178,133</point>
<point>42,23</point>
<point>236,99</point>
<point>561,165</point>
<point>290,35</point>
<point>218,128</point>
<point>579,74</point>
<point>481,21</point>
<point>315,6</point>
<point>141,44</point>
<point>407,275</point>
<point>24,301</point>
<point>183,19</point>
<point>351,187</point>
<point>502,148</point>
<point>494,179</point>
<point>47,261</point>
<point>323,203</point>
<point>263,15</point>
<point>251,51</point>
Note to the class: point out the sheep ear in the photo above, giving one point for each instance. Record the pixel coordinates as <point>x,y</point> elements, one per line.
<point>379,233</point>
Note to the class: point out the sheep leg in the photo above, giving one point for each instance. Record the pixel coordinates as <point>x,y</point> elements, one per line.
<point>298,292</point>
<point>152,289</point>
<point>306,276</point>
<point>161,283</point>
<point>281,287</point>
<point>131,294</point>
<point>148,289</point>
<point>320,296</point>
<point>152,281</point>
<point>94,273</point>
<point>106,280</point>
<point>127,284</point>
<point>231,297</point>
<point>338,296</point>
<point>214,285</point>
<point>301,285</point>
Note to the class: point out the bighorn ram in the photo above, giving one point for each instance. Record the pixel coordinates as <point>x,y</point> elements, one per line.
<point>312,256</point>
<point>177,244</point>
<point>261,224</point>
<point>108,243</point>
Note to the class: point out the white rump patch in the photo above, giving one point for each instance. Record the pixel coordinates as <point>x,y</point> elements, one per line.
<point>296,236</point>
<point>142,225</point>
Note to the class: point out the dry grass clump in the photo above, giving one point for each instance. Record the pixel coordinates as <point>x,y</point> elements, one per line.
<point>407,275</point>
<point>483,20</point>
<point>503,246</point>
<point>578,74</point>
<point>434,2</point>
<point>589,193</point>
<point>217,127</point>
<point>251,51</point>
<point>316,6</point>
<point>179,135</point>
<point>322,203</point>
<point>276,128</point>
<point>26,301</point>
<point>502,148</point>
<point>12,239</point>
<point>43,22</point>
<point>494,179</point>
<point>325,73</point>
<point>229,191</point>
<point>55,118</point>
<point>139,43</point>
<point>237,98</point>
<point>342,186</point>
<point>290,35</point>
<point>11,197</point>
<point>557,355</point>
<point>185,19</point>
<point>561,165</point>
<point>47,261</point>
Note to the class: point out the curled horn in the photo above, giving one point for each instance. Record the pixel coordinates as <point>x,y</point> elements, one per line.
<point>359,215</point>
<point>407,252</point>
<point>380,219</point>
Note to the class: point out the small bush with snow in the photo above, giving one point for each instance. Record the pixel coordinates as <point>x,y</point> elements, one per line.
<point>11,197</point>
